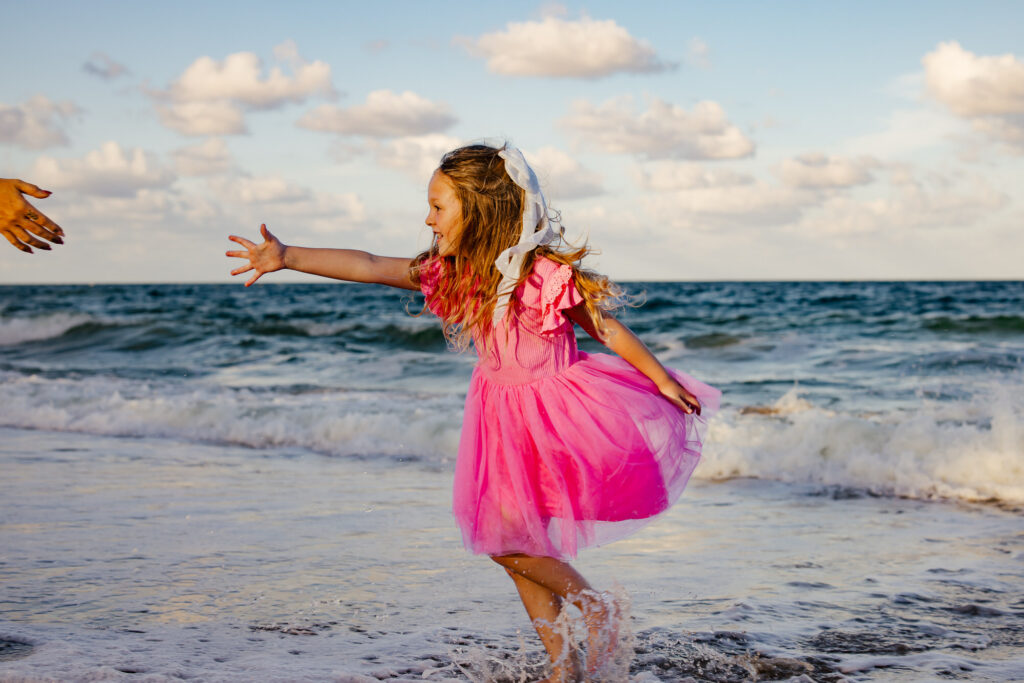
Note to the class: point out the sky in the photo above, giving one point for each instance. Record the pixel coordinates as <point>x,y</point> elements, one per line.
<point>682,140</point>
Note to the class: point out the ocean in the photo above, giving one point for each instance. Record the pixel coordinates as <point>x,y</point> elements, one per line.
<point>213,483</point>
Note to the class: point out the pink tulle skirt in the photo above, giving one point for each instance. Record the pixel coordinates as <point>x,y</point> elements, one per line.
<point>578,459</point>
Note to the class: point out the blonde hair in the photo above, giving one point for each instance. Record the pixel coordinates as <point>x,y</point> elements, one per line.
<point>491,221</point>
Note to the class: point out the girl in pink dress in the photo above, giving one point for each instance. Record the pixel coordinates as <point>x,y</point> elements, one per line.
<point>560,449</point>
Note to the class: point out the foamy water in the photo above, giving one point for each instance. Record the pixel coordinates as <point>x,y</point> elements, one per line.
<point>173,560</point>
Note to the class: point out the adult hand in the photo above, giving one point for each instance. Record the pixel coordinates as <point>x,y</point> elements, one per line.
<point>263,258</point>
<point>20,222</point>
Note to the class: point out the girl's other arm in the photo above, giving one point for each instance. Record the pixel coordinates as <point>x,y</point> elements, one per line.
<point>626,344</point>
<point>340,264</point>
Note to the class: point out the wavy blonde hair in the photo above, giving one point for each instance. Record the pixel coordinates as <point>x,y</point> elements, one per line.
<point>491,221</point>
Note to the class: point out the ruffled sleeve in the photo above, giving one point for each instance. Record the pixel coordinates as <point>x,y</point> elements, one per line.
<point>557,293</point>
<point>430,277</point>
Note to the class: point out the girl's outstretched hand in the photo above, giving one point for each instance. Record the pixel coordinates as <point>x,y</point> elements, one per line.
<point>677,394</point>
<point>263,258</point>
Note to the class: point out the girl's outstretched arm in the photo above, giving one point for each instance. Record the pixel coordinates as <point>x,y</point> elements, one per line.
<point>626,344</point>
<point>340,264</point>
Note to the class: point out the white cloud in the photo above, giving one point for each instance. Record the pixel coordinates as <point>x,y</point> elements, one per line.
<point>211,97</point>
<point>988,91</point>
<point>974,86</point>
<point>563,177</point>
<point>698,54</point>
<point>102,66</point>
<point>275,201</point>
<point>666,176</point>
<point>912,203</point>
<point>112,217</point>
<point>417,156</point>
<point>585,48</point>
<point>664,131</point>
<point>906,131</point>
<point>208,158</point>
<point>109,171</point>
<point>37,123</point>
<point>203,118</point>
<point>240,78</point>
<point>386,114</point>
<point>729,206</point>
<point>817,170</point>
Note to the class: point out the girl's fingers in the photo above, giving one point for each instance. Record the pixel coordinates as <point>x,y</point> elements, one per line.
<point>237,254</point>
<point>254,278</point>
<point>242,269</point>
<point>266,233</point>
<point>241,240</point>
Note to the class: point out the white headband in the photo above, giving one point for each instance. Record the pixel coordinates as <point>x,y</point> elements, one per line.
<point>537,229</point>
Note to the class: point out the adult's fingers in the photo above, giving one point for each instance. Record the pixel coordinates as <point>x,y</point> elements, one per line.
<point>15,242</point>
<point>43,221</point>
<point>22,234</point>
<point>42,232</point>
<point>29,188</point>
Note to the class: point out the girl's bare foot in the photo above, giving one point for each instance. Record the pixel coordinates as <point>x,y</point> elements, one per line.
<point>602,616</point>
<point>566,672</point>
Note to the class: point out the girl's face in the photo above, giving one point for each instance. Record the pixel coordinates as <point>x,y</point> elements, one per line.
<point>445,217</point>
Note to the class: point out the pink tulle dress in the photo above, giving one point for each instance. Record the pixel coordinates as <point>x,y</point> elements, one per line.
<point>562,449</point>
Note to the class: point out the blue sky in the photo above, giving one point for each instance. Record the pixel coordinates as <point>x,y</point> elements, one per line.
<point>686,141</point>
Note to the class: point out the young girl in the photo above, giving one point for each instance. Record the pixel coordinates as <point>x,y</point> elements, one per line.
<point>560,449</point>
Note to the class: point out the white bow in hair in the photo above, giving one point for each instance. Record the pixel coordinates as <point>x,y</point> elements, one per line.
<point>537,229</point>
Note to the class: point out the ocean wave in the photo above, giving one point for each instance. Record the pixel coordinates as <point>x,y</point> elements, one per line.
<point>330,421</point>
<point>20,330</point>
<point>969,450</point>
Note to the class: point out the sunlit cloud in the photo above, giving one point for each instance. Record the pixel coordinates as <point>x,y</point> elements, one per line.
<point>207,158</point>
<point>385,114</point>
<point>416,156</point>
<point>211,97</point>
<point>986,90</point>
<point>109,171</point>
<point>664,131</point>
<point>557,47</point>
<point>562,176</point>
<point>666,176</point>
<point>817,170</point>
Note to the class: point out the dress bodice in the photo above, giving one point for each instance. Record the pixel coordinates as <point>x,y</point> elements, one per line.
<point>535,339</point>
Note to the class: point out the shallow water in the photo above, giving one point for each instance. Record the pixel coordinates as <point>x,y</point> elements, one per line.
<point>174,560</point>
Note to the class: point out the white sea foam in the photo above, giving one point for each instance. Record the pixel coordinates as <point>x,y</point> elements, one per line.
<point>971,450</point>
<point>334,422</point>
<point>20,330</point>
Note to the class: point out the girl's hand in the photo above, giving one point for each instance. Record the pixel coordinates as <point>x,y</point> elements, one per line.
<point>677,394</point>
<point>263,258</point>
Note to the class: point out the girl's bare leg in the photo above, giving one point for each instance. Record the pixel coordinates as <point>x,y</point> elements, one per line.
<point>544,606</point>
<point>560,579</point>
